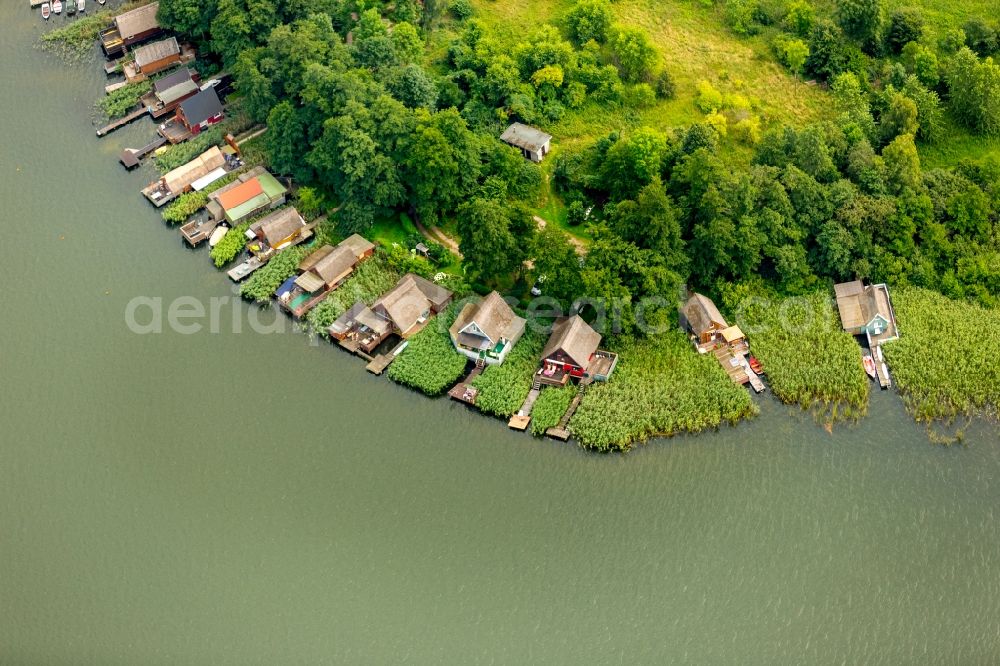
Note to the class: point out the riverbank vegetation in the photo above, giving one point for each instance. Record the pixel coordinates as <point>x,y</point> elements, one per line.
<point>231,245</point>
<point>184,206</point>
<point>503,388</point>
<point>75,40</point>
<point>262,284</point>
<point>945,362</point>
<point>430,363</point>
<point>123,100</point>
<point>550,407</point>
<point>809,360</point>
<point>661,387</point>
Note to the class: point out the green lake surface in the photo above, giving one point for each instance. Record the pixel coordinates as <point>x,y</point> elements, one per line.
<point>238,498</point>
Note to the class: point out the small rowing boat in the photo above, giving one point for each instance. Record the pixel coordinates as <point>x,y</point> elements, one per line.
<point>46,11</point>
<point>57,7</point>
<point>81,5</point>
<point>869,364</point>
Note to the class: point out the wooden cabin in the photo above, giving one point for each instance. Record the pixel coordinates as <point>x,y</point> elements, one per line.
<point>132,27</point>
<point>180,180</point>
<point>572,353</point>
<point>487,330</point>
<point>866,310</point>
<point>533,143</point>
<point>200,111</point>
<point>254,191</point>
<point>169,91</point>
<point>702,319</point>
<point>152,58</point>
<point>275,232</point>
<point>321,273</point>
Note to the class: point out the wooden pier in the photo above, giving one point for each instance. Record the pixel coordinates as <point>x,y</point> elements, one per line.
<point>378,364</point>
<point>464,391</point>
<point>199,230</point>
<point>242,271</point>
<point>562,431</point>
<point>521,420</point>
<point>882,374</point>
<point>130,156</point>
<point>136,113</point>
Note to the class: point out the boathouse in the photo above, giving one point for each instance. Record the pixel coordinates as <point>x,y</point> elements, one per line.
<point>132,27</point>
<point>866,310</point>
<point>322,272</point>
<point>169,91</point>
<point>572,353</point>
<point>275,232</point>
<point>152,58</point>
<point>253,192</point>
<point>360,329</point>
<point>531,141</point>
<point>487,330</point>
<point>411,303</point>
<point>180,180</point>
<point>200,111</point>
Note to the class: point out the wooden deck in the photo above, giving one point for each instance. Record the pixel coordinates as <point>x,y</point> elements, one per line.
<point>199,231</point>
<point>378,364</point>
<point>242,271</point>
<point>730,362</point>
<point>130,156</point>
<point>882,375</point>
<point>464,391</point>
<point>136,113</point>
<point>521,420</point>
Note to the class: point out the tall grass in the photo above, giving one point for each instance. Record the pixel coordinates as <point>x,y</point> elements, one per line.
<point>430,363</point>
<point>503,388</point>
<point>549,408</point>
<point>945,361</point>
<point>661,387</point>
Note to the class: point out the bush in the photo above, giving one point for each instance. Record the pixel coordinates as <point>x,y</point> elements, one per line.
<point>709,99</point>
<point>184,207</point>
<point>740,16</point>
<point>430,363</point>
<point>906,25</point>
<point>576,213</point>
<point>634,53</point>
<point>665,86</point>
<point>589,20</point>
<point>980,37</point>
<point>792,53</point>
<point>640,96</point>
<point>800,18</point>
<point>462,9</point>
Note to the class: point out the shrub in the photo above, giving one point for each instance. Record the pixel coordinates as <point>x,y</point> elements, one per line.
<point>430,363</point>
<point>665,86</point>
<point>634,53</point>
<point>800,18</point>
<point>906,25</point>
<point>640,96</point>
<point>740,16</point>
<point>792,53</point>
<point>709,99</point>
<point>576,213</point>
<point>980,37</point>
<point>589,20</point>
<point>462,9</point>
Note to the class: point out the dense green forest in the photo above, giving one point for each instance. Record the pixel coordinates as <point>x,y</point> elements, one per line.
<point>390,108</point>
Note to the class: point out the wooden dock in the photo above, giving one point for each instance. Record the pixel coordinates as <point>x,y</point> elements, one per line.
<point>136,113</point>
<point>755,381</point>
<point>562,430</point>
<point>882,374</point>
<point>199,230</point>
<point>464,391</point>
<point>242,271</point>
<point>521,420</point>
<point>380,363</point>
<point>130,157</point>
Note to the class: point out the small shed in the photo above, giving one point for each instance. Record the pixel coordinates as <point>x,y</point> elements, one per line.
<point>533,143</point>
<point>175,86</point>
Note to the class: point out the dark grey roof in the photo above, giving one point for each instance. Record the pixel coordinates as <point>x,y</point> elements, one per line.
<point>525,136</point>
<point>201,107</point>
<point>170,80</point>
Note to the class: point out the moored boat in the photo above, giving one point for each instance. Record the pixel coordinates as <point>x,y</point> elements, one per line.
<point>81,5</point>
<point>57,7</point>
<point>756,366</point>
<point>217,235</point>
<point>869,364</point>
<point>46,11</point>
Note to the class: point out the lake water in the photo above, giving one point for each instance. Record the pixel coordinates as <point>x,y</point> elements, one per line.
<point>242,498</point>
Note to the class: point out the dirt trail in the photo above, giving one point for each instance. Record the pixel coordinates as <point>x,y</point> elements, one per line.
<point>577,244</point>
<point>439,236</point>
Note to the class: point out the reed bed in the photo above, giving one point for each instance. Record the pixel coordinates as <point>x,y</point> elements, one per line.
<point>260,286</point>
<point>661,387</point>
<point>430,363</point>
<point>945,361</point>
<point>503,388</point>
<point>549,408</point>
<point>809,360</point>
